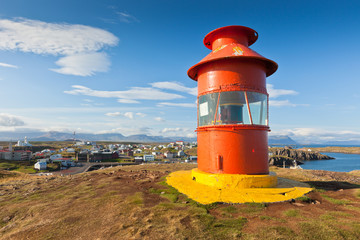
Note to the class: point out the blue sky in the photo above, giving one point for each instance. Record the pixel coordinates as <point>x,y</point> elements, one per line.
<point>120,66</point>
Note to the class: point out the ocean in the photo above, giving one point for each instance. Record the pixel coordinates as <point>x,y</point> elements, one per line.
<point>342,163</point>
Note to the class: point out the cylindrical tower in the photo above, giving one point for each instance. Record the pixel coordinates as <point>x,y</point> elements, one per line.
<point>233,122</point>
<point>233,126</point>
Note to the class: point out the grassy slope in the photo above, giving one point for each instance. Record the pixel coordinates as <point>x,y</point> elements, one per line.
<point>134,202</point>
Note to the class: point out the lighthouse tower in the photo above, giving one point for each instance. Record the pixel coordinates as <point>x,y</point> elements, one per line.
<point>232,124</point>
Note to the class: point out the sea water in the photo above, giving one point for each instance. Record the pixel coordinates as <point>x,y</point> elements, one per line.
<point>342,163</point>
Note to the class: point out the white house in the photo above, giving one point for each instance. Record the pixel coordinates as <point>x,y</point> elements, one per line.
<point>41,165</point>
<point>148,158</point>
<point>169,155</point>
<point>181,153</point>
<point>138,150</point>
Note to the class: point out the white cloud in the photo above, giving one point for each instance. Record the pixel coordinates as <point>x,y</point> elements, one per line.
<point>127,18</point>
<point>129,115</point>
<point>127,101</point>
<point>84,65</point>
<point>114,114</point>
<point>166,130</point>
<point>318,135</point>
<point>128,131</point>
<point>189,105</point>
<point>8,120</point>
<point>159,119</point>
<point>178,132</point>
<point>281,103</point>
<point>141,114</point>
<point>78,44</point>
<point>175,86</point>
<point>274,93</point>
<point>135,93</point>
<point>7,65</point>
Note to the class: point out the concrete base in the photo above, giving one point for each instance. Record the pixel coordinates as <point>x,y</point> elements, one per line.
<point>208,188</point>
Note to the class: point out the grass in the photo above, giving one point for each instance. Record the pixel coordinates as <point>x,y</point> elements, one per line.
<point>291,213</point>
<point>136,199</point>
<point>25,166</point>
<point>252,208</point>
<point>265,217</point>
<point>101,206</point>
<point>304,199</point>
<point>273,232</point>
<point>229,209</point>
<point>357,193</point>
<point>327,230</point>
<point>335,201</point>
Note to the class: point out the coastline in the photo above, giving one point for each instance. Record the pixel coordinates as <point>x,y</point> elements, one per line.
<point>335,149</point>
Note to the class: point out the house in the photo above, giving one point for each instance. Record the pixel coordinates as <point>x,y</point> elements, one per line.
<point>193,158</point>
<point>169,155</point>
<point>148,158</point>
<point>41,165</point>
<point>156,153</point>
<point>181,143</point>
<point>55,156</point>
<point>138,151</point>
<point>70,150</point>
<point>15,155</point>
<point>181,153</point>
<point>139,159</point>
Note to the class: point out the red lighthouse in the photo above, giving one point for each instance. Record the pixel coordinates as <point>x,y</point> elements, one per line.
<point>232,103</point>
<point>233,122</point>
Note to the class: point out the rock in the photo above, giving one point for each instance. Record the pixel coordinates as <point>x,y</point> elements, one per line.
<point>280,160</point>
<point>298,154</point>
<point>162,193</point>
<point>6,219</point>
<point>298,204</point>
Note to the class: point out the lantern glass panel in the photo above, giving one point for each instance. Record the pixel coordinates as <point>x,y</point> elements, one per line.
<point>258,107</point>
<point>232,109</point>
<point>207,108</point>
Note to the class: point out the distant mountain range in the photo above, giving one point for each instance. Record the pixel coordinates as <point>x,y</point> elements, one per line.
<point>61,136</point>
<point>118,137</point>
<point>281,140</point>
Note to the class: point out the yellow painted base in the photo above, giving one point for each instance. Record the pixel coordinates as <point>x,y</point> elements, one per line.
<point>234,181</point>
<point>206,194</point>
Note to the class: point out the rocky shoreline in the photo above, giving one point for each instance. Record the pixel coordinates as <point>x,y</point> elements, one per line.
<point>292,157</point>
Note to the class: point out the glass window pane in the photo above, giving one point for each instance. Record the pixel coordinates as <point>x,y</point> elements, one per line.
<point>207,108</point>
<point>232,108</point>
<point>258,107</point>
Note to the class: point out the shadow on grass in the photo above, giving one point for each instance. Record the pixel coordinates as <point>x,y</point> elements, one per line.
<point>332,185</point>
